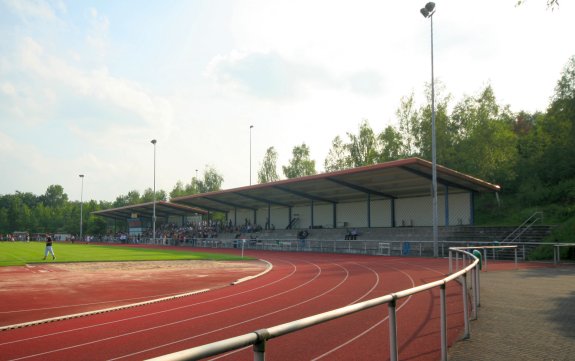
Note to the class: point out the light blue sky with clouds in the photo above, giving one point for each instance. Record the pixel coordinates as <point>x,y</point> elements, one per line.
<point>85,85</point>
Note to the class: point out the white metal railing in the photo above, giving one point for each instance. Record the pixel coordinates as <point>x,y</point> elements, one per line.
<point>517,232</point>
<point>259,338</point>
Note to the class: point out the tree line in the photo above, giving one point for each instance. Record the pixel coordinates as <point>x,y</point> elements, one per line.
<point>531,155</point>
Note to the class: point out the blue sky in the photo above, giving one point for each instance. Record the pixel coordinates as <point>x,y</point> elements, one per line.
<point>85,85</point>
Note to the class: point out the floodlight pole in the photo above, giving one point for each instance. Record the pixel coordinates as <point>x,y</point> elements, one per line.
<point>251,126</point>
<point>81,204</point>
<point>154,197</point>
<point>428,12</point>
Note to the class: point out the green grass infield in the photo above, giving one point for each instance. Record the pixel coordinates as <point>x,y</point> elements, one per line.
<point>21,253</point>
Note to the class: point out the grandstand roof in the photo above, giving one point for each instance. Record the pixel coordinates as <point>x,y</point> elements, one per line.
<point>163,209</point>
<point>391,180</point>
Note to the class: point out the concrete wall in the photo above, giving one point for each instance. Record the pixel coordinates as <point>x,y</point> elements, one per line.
<point>409,212</point>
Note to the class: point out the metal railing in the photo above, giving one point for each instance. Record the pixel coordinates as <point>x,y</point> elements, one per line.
<point>259,338</point>
<point>523,227</point>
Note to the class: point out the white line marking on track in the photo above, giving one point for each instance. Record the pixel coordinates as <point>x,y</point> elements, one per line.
<point>158,312</point>
<point>255,318</point>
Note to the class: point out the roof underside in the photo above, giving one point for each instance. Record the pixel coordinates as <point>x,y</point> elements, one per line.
<point>405,178</point>
<point>145,210</point>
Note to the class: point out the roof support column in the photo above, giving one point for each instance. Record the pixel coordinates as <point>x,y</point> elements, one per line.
<point>334,205</point>
<point>255,218</point>
<point>289,217</point>
<point>446,205</point>
<point>369,210</point>
<point>312,225</point>
<point>392,206</point>
<point>235,217</point>
<point>472,207</point>
<point>269,221</point>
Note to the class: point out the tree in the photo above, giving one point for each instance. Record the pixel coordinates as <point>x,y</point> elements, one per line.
<point>408,122</point>
<point>148,195</point>
<point>557,129</point>
<point>444,129</point>
<point>178,190</point>
<point>55,196</point>
<point>363,148</point>
<point>551,4</point>
<point>212,181</point>
<point>391,145</point>
<point>338,156</point>
<point>484,138</point>
<point>268,171</point>
<point>300,165</point>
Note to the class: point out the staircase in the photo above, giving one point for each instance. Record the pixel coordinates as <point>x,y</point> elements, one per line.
<point>516,235</point>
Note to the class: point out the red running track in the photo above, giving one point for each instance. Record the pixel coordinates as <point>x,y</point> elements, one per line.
<point>300,285</point>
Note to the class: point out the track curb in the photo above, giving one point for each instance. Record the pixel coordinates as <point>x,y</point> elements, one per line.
<point>131,305</point>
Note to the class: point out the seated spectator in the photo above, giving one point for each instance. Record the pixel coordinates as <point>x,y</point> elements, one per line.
<point>354,234</point>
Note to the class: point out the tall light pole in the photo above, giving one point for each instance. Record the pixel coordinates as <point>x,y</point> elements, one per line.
<point>81,204</point>
<point>154,197</point>
<point>251,126</point>
<point>428,12</point>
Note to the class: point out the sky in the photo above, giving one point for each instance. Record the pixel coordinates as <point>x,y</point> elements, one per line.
<point>86,85</point>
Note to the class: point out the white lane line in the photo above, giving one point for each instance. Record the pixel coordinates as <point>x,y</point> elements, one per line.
<point>251,319</point>
<point>176,322</point>
<point>294,268</point>
<point>373,326</point>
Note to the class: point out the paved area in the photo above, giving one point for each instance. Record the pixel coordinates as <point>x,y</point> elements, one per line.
<point>524,315</point>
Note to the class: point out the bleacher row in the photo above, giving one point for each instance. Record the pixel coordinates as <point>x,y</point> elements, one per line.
<point>412,241</point>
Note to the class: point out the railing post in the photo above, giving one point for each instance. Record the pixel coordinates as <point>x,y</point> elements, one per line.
<point>515,257</point>
<point>523,247</point>
<point>474,287</point>
<point>260,345</point>
<point>393,355</point>
<point>450,266</point>
<point>478,290</point>
<point>466,333</point>
<point>443,323</point>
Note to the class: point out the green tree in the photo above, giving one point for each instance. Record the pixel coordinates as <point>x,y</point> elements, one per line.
<point>300,164</point>
<point>408,118</point>
<point>421,128</point>
<point>484,138</point>
<point>55,196</point>
<point>268,171</point>
<point>391,145</point>
<point>178,190</point>
<point>338,157</point>
<point>148,195</point>
<point>363,147</point>
<point>212,181</point>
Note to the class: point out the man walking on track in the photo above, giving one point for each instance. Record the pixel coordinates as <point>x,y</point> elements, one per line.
<point>49,248</point>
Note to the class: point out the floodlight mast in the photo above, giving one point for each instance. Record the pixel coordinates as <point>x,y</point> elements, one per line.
<point>428,12</point>
<point>251,126</point>
<point>81,204</point>
<point>154,197</point>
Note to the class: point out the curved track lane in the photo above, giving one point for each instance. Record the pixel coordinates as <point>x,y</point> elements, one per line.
<point>299,285</point>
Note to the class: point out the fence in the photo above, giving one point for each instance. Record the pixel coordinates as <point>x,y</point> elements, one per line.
<point>491,250</point>
<point>258,338</point>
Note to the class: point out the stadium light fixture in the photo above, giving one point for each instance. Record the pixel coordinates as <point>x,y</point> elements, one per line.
<point>428,12</point>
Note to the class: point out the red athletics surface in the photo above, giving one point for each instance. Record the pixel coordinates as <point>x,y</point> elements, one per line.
<point>300,285</point>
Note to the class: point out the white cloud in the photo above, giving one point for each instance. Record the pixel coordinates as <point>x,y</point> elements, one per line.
<point>33,9</point>
<point>98,32</point>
